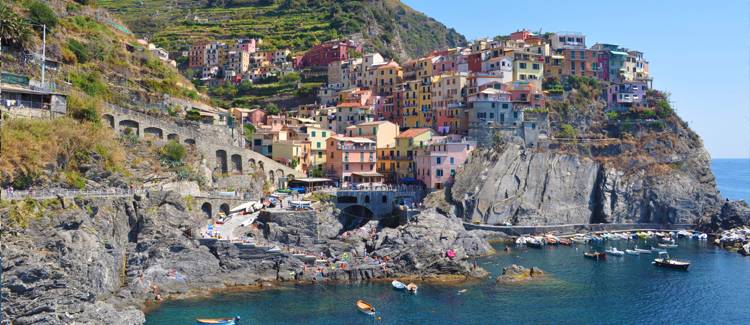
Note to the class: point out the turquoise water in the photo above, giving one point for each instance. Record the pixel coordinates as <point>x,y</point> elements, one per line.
<point>733,178</point>
<point>622,290</point>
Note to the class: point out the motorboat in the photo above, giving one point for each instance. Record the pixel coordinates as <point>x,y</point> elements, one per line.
<point>551,240</point>
<point>642,251</point>
<point>667,245</point>
<point>684,234</point>
<point>219,321</point>
<point>565,242</point>
<point>534,243</point>
<point>579,240</point>
<point>521,240</point>
<point>365,307</point>
<point>632,252</point>
<point>599,256</point>
<point>411,288</point>
<point>398,285</point>
<point>614,251</point>
<point>665,261</point>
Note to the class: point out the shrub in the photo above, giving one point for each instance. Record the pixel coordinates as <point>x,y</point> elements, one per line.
<point>90,83</point>
<point>173,153</point>
<point>40,13</point>
<point>568,131</point>
<point>193,115</point>
<point>612,115</point>
<point>74,179</point>
<point>249,132</point>
<point>13,29</point>
<point>83,108</point>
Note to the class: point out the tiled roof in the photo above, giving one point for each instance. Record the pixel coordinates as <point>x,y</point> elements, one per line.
<point>410,133</point>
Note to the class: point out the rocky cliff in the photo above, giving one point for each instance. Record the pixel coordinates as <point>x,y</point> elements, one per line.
<point>548,186</point>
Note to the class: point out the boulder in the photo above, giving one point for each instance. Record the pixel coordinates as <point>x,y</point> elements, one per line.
<point>517,273</point>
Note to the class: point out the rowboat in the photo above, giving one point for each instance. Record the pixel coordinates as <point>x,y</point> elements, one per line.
<point>565,242</point>
<point>632,252</point>
<point>365,307</point>
<point>412,288</point>
<point>219,321</point>
<point>398,285</point>
<point>599,256</point>
<point>551,240</point>
<point>614,251</point>
<point>665,261</point>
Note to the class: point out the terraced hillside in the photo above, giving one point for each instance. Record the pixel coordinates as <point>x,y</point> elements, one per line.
<point>388,26</point>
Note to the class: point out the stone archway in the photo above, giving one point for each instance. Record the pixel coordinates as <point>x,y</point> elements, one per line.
<point>153,132</point>
<point>206,208</point>
<point>190,141</point>
<point>236,163</point>
<point>110,120</point>
<point>173,137</point>
<point>355,216</point>
<point>251,162</point>
<point>224,208</point>
<point>130,124</point>
<point>221,161</point>
<point>260,164</point>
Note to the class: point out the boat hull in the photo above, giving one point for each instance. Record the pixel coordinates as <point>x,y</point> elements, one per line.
<point>672,265</point>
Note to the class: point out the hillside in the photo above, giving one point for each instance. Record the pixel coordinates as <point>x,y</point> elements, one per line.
<point>389,26</point>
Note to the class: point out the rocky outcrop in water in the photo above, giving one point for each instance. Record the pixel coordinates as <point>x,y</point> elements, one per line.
<point>517,273</point>
<point>540,187</point>
<point>733,214</point>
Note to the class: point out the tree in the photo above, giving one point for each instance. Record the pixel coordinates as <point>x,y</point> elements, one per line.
<point>249,132</point>
<point>272,109</point>
<point>567,131</point>
<point>173,153</point>
<point>41,14</point>
<point>13,29</point>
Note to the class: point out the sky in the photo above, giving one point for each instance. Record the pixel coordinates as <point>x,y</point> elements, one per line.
<point>699,51</point>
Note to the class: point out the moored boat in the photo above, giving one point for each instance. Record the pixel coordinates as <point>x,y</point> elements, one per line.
<point>398,285</point>
<point>219,321</point>
<point>365,307</point>
<point>565,241</point>
<point>534,243</point>
<point>632,252</point>
<point>642,251</point>
<point>614,251</point>
<point>412,288</point>
<point>667,245</point>
<point>599,256</point>
<point>665,261</point>
<point>579,240</point>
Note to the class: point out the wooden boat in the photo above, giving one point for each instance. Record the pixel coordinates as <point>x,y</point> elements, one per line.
<point>398,285</point>
<point>665,261</point>
<point>219,321</point>
<point>551,240</point>
<point>599,256</point>
<point>412,288</point>
<point>365,307</point>
<point>565,242</point>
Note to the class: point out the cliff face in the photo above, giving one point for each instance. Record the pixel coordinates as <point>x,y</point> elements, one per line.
<point>541,187</point>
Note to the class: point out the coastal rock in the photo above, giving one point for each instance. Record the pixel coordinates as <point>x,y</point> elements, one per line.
<point>517,273</point>
<point>733,214</point>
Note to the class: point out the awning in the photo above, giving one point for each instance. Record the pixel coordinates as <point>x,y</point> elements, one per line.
<point>368,174</point>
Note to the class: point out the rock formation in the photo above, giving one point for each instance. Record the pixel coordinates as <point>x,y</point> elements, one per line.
<point>516,273</point>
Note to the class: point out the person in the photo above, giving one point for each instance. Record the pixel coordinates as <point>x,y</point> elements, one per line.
<point>507,249</point>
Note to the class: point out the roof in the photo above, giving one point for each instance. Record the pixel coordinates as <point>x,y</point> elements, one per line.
<point>493,91</point>
<point>352,139</point>
<point>15,89</point>
<point>349,104</point>
<point>369,123</point>
<point>312,180</point>
<point>368,174</point>
<point>413,132</point>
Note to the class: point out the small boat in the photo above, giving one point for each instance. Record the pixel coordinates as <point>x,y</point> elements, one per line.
<point>565,242</point>
<point>667,245</point>
<point>657,250</point>
<point>534,243</point>
<point>614,251</point>
<point>398,285</point>
<point>684,234</point>
<point>365,307</point>
<point>632,252</point>
<point>274,249</point>
<point>579,240</point>
<point>665,261</point>
<point>599,256</point>
<point>461,291</point>
<point>551,240</point>
<point>642,251</point>
<point>412,288</point>
<point>219,321</point>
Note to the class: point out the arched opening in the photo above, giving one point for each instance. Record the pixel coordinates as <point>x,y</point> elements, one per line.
<point>110,120</point>
<point>251,162</point>
<point>271,177</point>
<point>153,132</point>
<point>173,137</point>
<point>190,141</point>
<point>221,161</point>
<point>130,124</point>
<point>355,216</point>
<point>237,163</point>
<point>367,199</point>
<point>206,208</point>
<point>224,208</point>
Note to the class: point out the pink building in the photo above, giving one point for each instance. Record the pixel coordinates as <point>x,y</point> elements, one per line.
<point>256,117</point>
<point>437,164</point>
<point>351,159</point>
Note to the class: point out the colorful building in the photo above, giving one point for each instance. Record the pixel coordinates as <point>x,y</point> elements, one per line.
<point>350,158</point>
<point>317,138</point>
<point>384,133</point>
<point>293,153</point>
<point>406,145</point>
<point>438,163</point>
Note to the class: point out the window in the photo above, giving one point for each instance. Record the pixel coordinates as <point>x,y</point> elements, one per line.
<point>320,154</point>
<point>317,144</point>
<point>439,172</point>
<point>312,133</point>
<point>522,65</point>
<point>535,66</point>
<point>439,160</point>
<point>453,161</point>
<point>331,155</point>
<point>346,167</point>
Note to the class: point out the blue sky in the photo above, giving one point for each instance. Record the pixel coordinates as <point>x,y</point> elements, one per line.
<point>699,51</point>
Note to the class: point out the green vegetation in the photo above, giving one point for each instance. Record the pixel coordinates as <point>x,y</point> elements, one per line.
<point>172,153</point>
<point>74,179</point>
<point>41,14</point>
<point>249,132</point>
<point>567,131</point>
<point>13,29</point>
<point>295,24</point>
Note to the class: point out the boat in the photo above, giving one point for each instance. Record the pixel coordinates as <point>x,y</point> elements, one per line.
<point>551,240</point>
<point>614,251</point>
<point>632,252</point>
<point>599,256</point>
<point>521,240</point>
<point>579,240</point>
<point>642,251</point>
<point>665,261</point>
<point>657,250</point>
<point>684,234</point>
<point>365,307</point>
<point>412,288</point>
<point>219,321</point>
<point>274,249</point>
<point>667,245</point>
<point>534,243</point>
<point>398,285</point>
<point>565,242</point>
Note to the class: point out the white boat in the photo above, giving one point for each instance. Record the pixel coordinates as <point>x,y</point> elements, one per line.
<point>632,252</point>
<point>614,251</point>
<point>657,250</point>
<point>579,240</point>
<point>398,285</point>
<point>667,245</point>
<point>521,240</point>
<point>642,251</point>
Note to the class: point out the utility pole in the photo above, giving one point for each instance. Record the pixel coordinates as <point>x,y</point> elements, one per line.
<point>44,52</point>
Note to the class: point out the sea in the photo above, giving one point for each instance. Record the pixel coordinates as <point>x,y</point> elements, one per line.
<point>621,290</point>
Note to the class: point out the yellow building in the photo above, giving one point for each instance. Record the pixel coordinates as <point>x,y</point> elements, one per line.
<point>407,144</point>
<point>317,138</point>
<point>387,76</point>
<point>384,133</point>
<point>528,68</point>
<point>386,164</point>
<point>293,153</point>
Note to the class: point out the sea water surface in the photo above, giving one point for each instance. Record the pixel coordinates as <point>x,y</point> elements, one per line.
<point>622,290</point>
